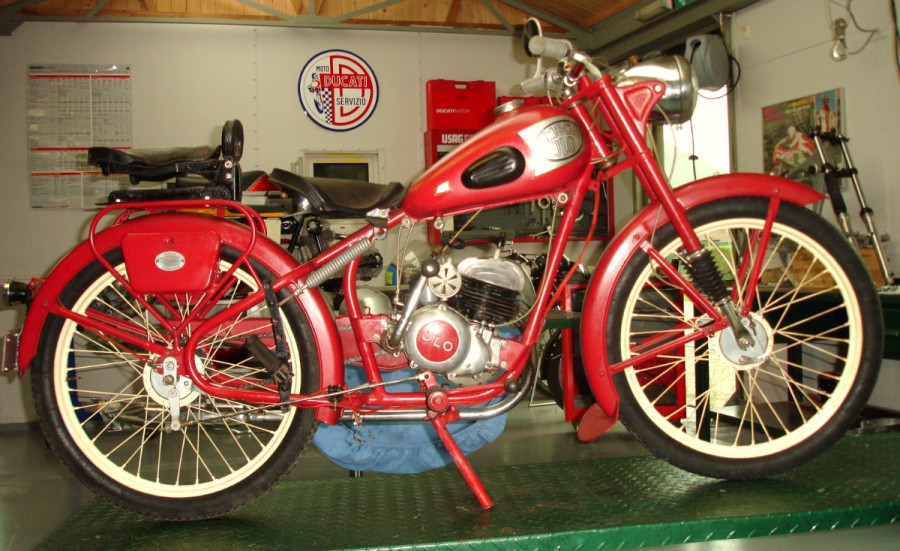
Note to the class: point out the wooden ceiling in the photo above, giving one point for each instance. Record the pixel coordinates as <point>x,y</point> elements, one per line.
<point>560,16</point>
<point>607,26</point>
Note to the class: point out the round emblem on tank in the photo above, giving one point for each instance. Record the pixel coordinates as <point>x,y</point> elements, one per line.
<point>169,261</point>
<point>561,140</point>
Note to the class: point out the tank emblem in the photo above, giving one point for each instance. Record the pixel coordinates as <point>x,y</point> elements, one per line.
<point>169,261</point>
<point>442,188</point>
<point>562,141</point>
<point>553,142</point>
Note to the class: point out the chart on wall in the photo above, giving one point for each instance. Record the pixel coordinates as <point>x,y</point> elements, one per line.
<point>70,109</point>
<point>787,146</point>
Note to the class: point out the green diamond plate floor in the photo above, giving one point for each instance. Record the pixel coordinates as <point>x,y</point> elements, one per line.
<point>609,503</point>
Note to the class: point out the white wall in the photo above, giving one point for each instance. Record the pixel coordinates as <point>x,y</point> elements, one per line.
<point>784,48</point>
<point>189,79</point>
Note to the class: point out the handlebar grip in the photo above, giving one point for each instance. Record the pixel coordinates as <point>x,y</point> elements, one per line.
<point>534,86</point>
<point>547,81</point>
<point>556,48</point>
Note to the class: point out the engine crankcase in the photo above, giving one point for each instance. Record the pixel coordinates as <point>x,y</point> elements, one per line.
<point>441,340</point>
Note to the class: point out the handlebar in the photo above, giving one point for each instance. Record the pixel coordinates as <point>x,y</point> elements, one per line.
<point>545,82</point>
<point>552,80</point>
<point>679,86</point>
<point>556,48</point>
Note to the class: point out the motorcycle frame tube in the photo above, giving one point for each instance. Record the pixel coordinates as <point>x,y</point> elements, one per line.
<point>637,235</point>
<point>515,355</point>
<point>668,205</point>
<point>319,314</point>
<point>627,119</point>
<point>378,399</point>
<point>255,225</point>
<point>276,259</point>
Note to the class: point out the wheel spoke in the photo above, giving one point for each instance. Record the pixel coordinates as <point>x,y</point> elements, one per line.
<point>712,397</point>
<point>113,396</point>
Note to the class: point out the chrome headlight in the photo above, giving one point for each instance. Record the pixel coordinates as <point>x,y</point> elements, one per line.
<point>677,104</point>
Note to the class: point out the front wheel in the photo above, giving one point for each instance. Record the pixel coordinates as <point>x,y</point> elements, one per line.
<point>716,408</point>
<point>106,406</point>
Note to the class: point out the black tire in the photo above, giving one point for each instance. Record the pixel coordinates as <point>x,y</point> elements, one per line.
<point>101,406</point>
<point>723,412</point>
<point>553,370</point>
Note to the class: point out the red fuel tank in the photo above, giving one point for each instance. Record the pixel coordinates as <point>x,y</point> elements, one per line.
<point>526,154</point>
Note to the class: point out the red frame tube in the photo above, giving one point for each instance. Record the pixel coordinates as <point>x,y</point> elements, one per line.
<point>622,113</point>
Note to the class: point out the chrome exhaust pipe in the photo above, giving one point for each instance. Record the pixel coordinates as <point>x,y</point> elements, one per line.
<point>466,414</point>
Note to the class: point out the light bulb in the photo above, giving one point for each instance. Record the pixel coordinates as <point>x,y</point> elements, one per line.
<point>839,50</point>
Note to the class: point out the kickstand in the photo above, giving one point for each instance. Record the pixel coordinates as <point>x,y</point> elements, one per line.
<point>439,422</point>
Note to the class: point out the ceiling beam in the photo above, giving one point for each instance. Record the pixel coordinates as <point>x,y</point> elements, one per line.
<point>95,9</point>
<point>576,33</point>
<point>265,9</point>
<point>10,19</point>
<point>363,11</point>
<point>491,8</point>
<point>622,35</point>
<point>453,11</point>
<point>314,22</point>
<point>615,38</point>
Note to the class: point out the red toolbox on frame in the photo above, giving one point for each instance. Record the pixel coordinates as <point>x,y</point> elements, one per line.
<point>459,105</point>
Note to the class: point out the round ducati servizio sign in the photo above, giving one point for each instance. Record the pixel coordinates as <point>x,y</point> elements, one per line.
<point>338,90</point>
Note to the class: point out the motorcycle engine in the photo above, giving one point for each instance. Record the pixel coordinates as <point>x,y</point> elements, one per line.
<point>454,333</point>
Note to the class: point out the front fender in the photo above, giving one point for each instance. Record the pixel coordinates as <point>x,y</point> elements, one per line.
<point>265,251</point>
<point>595,311</point>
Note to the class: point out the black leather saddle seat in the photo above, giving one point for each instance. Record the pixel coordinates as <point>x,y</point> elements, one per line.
<point>153,164</point>
<point>330,195</point>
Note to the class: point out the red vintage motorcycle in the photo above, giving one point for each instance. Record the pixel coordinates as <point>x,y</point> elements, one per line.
<point>181,360</point>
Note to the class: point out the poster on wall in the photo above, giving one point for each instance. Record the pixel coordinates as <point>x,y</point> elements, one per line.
<point>70,109</point>
<point>788,148</point>
<point>338,90</point>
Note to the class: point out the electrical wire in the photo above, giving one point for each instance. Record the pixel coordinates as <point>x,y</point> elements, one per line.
<point>896,36</point>
<point>849,9</point>
<point>871,32</point>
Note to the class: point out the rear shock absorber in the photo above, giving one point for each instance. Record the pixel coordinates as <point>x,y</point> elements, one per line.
<point>706,276</point>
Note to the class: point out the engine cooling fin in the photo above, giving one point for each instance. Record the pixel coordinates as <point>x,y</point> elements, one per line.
<point>478,300</point>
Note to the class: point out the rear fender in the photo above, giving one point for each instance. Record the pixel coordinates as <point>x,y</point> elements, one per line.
<point>596,310</point>
<point>268,253</point>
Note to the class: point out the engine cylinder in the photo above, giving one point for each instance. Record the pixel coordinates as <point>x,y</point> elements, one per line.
<point>485,302</point>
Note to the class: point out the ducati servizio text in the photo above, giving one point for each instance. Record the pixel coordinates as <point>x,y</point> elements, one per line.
<point>181,360</point>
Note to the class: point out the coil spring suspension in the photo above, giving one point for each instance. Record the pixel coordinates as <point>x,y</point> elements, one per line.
<point>334,267</point>
<point>706,276</point>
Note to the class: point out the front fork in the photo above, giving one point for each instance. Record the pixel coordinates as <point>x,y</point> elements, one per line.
<point>708,279</point>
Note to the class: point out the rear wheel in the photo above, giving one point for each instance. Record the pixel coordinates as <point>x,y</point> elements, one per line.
<point>106,407</point>
<point>714,408</point>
